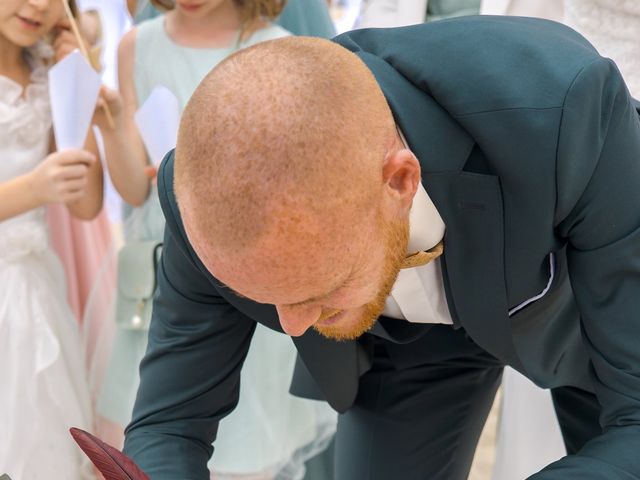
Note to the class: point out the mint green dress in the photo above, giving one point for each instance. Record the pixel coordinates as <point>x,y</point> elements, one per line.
<point>301,17</point>
<point>440,9</point>
<point>270,431</point>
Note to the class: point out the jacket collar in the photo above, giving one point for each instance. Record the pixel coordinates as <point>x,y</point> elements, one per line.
<point>438,141</point>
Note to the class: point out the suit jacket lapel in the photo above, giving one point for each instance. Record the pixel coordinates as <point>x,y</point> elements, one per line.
<point>335,366</point>
<point>470,205</point>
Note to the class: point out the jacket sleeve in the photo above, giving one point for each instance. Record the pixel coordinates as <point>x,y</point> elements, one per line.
<point>598,213</point>
<point>190,375</point>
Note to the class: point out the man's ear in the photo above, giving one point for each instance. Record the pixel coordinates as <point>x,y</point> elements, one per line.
<point>401,177</point>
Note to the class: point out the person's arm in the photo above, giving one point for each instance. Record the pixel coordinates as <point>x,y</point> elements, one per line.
<point>190,375</point>
<point>124,150</point>
<point>598,212</point>
<point>62,177</point>
<point>17,196</point>
<point>89,205</point>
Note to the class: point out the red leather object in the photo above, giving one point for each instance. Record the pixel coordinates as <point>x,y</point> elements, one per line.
<point>111,462</point>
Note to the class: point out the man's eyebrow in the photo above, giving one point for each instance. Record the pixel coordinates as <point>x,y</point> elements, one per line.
<point>311,300</point>
<point>320,297</point>
<point>297,304</point>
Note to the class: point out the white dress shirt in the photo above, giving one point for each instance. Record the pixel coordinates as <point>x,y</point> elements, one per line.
<point>418,294</point>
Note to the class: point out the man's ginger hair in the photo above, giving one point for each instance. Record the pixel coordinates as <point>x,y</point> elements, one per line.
<point>276,134</point>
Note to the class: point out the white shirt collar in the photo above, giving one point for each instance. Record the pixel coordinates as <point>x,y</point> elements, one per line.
<point>426,225</point>
<point>418,293</point>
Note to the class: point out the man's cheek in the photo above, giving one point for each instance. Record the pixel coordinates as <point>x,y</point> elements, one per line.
<point>358,298</point>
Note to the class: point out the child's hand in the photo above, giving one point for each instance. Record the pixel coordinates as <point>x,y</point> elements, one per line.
<point>62,177</point>
<point>151,172</point>
<point>90,23</point>
<point>64,41</point>
<point>113,100</point>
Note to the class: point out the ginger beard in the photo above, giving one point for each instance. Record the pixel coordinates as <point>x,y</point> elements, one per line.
<point>397,237</point>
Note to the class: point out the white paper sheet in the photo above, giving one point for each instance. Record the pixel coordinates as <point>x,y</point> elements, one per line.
<point>158,120</point>
<point>73,87</point>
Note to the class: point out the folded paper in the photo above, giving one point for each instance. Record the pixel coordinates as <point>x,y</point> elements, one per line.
<point>73,87</point>
<point>158,120</point>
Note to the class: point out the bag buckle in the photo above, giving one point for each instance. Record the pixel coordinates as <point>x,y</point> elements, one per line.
<point>136,320</point>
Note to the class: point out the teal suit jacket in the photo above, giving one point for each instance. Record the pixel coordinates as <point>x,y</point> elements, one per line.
<point>530,150</point>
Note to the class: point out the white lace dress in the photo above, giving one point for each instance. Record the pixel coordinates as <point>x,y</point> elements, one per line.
<point>43,388</point>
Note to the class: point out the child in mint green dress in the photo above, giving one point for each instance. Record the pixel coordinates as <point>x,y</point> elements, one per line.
<point>260,438</point>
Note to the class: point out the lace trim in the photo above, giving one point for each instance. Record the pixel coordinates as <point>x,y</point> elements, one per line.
<point>22,239</point>
<point>25,114</point>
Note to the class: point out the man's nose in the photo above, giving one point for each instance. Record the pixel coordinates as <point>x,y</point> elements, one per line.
<point>295,320</point>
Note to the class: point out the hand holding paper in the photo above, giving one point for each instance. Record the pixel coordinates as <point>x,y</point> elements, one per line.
<point>95,63</point>
<point>109,100</point>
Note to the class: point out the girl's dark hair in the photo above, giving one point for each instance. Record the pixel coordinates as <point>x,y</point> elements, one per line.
<point>252,10</point>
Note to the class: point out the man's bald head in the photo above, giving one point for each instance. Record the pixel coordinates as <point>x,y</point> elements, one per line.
<point>286,135</point>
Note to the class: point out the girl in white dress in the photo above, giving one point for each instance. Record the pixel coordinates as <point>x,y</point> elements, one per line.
<point>43,388</point>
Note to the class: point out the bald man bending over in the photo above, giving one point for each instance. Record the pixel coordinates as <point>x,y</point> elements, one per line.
<point>416,208</point>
